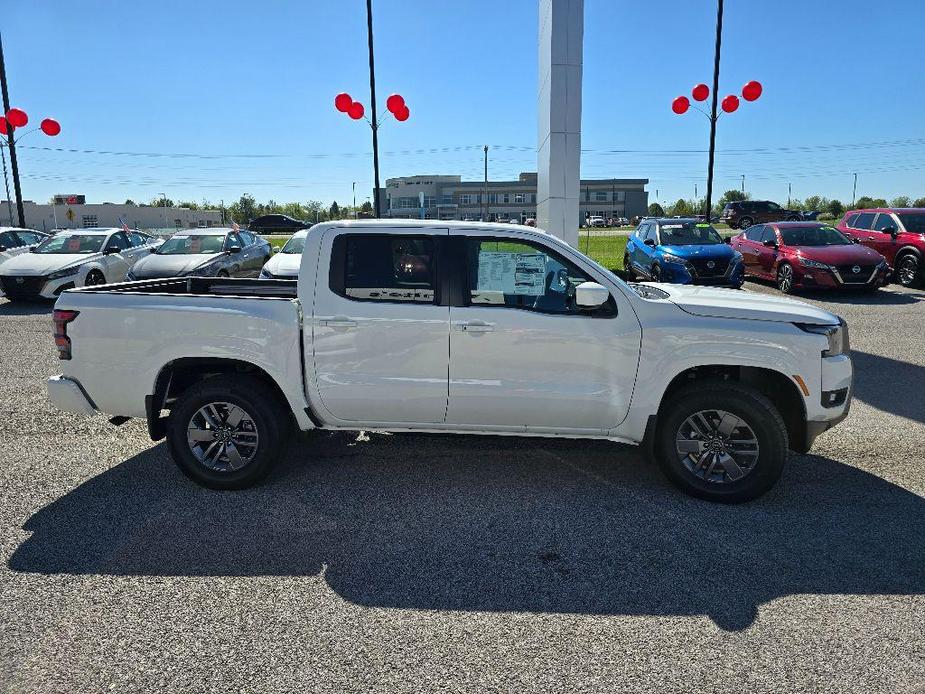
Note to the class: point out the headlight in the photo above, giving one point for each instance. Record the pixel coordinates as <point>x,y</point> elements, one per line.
<point>60,274</point>
<point>204,270</point>
<point>264,275</point>
<point>668,258</point>
<point>815,263</point>
<point>130,276</point>
<point>837,335</point>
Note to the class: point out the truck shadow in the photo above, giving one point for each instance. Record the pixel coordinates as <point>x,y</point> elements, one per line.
<point>10,308</point>
<point>889,384</point>
<point>497,524</point>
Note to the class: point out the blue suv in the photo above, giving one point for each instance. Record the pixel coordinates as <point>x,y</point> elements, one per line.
<point>682,251</point>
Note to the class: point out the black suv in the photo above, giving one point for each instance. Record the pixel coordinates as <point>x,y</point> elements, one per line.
<point>277,224</point>
<point>744,213</point>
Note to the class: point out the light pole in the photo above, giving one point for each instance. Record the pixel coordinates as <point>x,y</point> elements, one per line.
<point>485,192</point>
<point>354,199</point>
<point>854,190</point>
<point>743,183</point>
<point>164,195</point>
<point>6,182</point>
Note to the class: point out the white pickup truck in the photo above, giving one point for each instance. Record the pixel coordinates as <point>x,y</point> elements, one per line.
<point>456,327</point>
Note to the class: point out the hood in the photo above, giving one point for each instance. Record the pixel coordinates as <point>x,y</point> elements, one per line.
<point>30,264</point>
<point>284,264</point>
<point>736,303</point>
<point>839,255</point>
<point>719,251</point>
<point>154,266</point>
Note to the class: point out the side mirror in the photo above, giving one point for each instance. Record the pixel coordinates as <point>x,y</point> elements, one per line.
<point>2,248</point>
<point>276,249</point>
<point>769,243</point>
<point>649,242</point>
<point>111,250</point>
<point>234,249</point>
<point>153,249</point>
<point>891,231</point>
<point>590,295</point>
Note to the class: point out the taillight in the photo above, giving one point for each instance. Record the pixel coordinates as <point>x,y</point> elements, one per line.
<point>62,341</point>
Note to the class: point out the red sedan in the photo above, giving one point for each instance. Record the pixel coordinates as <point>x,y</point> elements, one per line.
<point>809,255</point>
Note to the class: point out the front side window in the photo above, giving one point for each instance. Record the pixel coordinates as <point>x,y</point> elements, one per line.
<point>8,240</point>
<point>119,240</point>
<point>510,273</point>
<point>192,244</point>
<point>772,206</point>
<point>384,267</point>
<point>814,236</point>
<point>29,238</point>
<point>652,233</point>
<point>865,220</point>
<point>768,235</point>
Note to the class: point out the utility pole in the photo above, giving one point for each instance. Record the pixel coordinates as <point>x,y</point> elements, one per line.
<point>695,192</point>
<point>743,183</point>
<point>788,195</point>
<point>719,38</point>
<point>354,199</point>
<point>485,193</point>
<point>372,106</point>
<point>854,190</point>
<point>222,208</point>
<point>14,165</point>
<point>164,195</point>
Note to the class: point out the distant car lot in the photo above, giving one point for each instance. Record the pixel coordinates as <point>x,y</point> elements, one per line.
<point>378,560</point>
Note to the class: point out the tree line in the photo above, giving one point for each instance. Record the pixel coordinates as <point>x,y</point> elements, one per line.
<point>246,208</point>
<point>828,208</point>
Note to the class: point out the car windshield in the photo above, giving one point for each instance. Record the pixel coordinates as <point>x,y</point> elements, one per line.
<point>294,245</point>
<point>187,244</point>
<point>813,236</point>
<point>689,234</point>
<point>913,222</point>
<point>72,244</point>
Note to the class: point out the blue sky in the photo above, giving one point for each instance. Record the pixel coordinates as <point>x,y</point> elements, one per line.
<point>844,92</point>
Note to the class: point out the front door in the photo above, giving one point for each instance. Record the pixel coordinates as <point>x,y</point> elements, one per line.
<point>380,336</point>
<point>880,237</point>
<point>767,255</point>
<point>523,356</point>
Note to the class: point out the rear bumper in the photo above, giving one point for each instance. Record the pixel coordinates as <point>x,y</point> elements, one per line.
<point>68,395</point>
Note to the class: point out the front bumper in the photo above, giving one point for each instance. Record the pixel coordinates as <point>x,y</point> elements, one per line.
<point>35,287</point>
<point>819,278</point>
<point>733,277</point>
<point>69,396</point>
<point>837,375</point>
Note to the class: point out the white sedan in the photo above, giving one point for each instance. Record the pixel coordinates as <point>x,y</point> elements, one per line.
<point>14,241</point>
<point>73,258</point>
<point>285,264</point>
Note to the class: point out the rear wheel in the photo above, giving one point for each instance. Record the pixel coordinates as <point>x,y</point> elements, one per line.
<point>909,270</point>
<point>226,432</point>
<point>785,278</point>
<point>721,442</point>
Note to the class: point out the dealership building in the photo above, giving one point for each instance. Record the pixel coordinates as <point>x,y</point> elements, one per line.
<point>449,197</point>
<point>72,212</point>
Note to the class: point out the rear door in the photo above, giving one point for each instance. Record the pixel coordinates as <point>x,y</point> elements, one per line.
<point>380,334</point>
<point>522,355</point>
<point>749,245</point>
<point>862,229</point>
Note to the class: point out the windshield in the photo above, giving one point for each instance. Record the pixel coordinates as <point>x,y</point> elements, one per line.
<point>187,244</point>
<point>72,244</point>
<point>913,222</point>
<point>813,236</point>
<point>294,245</point>
<point>689,234</point>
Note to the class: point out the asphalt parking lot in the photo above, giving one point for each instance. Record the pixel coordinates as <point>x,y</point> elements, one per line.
<point>448,563</point>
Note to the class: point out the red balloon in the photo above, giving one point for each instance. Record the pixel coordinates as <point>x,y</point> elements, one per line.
<point>356,110</point>
<point>17,117</point>
<point>701,92</point>
<point>50,127</point>
<point>403,114</point>
<point>752,90</point>
<point>680,105</point>
<point>395,103</point>
<point>730,103</point>
<point>342,102</point>
<point>3,125</point>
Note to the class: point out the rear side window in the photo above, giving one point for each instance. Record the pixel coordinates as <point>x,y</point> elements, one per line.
<point>384,267</point>
<point>119,241</point>
<point>754,233</point>
<point>768,234</point>
<point>884,221</point>
<point>865,220</point>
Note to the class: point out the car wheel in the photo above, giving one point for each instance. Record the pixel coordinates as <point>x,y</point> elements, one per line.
<point>94,278</point>
<point>785,278</point>
<point>721,442</point>
<point>628,268</point>
<point>745,222</point>
<point>656,273</point>
<point>908,270</point>
<point>226,432</point>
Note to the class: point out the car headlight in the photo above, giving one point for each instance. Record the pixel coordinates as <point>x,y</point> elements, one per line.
<point>264,275</point>
<point>837,335</point>
<point>736,257</point>
<point>668,258</point>
<point>130,276</point>
<point>61,274</point>
<point>815,263</point>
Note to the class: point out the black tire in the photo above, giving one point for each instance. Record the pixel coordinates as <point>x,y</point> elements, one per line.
<point>628,269</point>
<point>260,404</point>
<point>752,408</point>
<point>94,278</point>
<point>745,223</point>
<point>908,270</point>
<point>785,278</point>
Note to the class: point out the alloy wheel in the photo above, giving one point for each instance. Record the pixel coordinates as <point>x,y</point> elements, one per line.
<point>785,278</point>
<point>717,446</point>
<point>222,436</point>
<point>908,270</point>
<point>94,278</point>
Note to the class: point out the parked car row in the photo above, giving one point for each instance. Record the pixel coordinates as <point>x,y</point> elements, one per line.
<point>49,265</point>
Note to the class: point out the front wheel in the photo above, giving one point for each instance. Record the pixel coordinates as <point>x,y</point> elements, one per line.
<point>721,442</point>
<point>908,270</point>
<point>94,278</point>
<point>226,432</point>
<point>628,268</point>
<point>785,278</point>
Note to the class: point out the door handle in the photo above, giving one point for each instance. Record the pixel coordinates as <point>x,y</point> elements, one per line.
<point>475,326</point>
<point>338,322</point>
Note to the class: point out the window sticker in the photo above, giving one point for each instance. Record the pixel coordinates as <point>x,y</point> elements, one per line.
<point>512,273</point>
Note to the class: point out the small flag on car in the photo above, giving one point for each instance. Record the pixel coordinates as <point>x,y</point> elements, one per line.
<point>234,225</point>
<point>124,225</point>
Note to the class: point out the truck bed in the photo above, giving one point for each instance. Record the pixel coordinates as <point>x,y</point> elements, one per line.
<point>205,286</point>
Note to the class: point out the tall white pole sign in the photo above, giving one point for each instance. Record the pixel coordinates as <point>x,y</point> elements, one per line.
<point>561,37</point>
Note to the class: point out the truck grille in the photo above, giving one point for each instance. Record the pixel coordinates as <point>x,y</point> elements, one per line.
<point>849,276</point>
<point>22,287</point>
<point>701,267</point>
